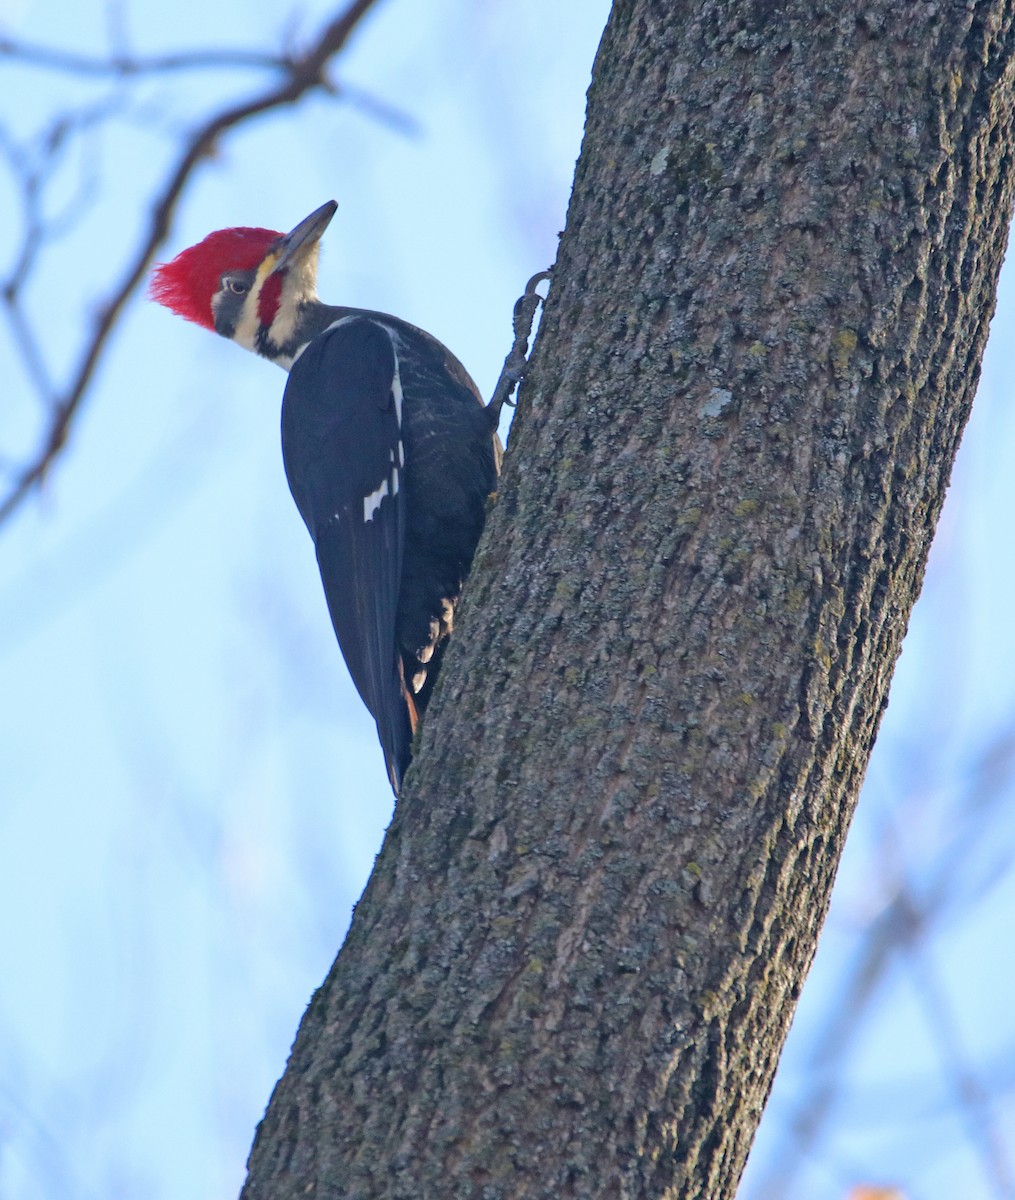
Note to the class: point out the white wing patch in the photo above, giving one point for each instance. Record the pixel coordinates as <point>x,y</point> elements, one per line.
<point>372,502</point>
<point>388,486</point>
<point>396,391</point>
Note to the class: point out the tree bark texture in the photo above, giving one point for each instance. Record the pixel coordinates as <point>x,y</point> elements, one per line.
<point>574,967</point>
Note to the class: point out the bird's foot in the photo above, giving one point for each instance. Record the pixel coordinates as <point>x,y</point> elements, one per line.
<point>517,359</point>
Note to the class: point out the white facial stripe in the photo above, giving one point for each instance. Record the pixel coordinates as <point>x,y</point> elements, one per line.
<point>282,328</point>
<point>247,325</point>
<point>299,285</point>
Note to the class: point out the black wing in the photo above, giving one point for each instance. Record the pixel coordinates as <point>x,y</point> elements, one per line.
<point>343,455</point>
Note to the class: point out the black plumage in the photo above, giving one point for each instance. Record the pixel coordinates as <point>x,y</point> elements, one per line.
<point>388,449</point>
<point>390,457</point>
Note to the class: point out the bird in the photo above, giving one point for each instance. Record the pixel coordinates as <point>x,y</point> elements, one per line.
<point>390,454</point>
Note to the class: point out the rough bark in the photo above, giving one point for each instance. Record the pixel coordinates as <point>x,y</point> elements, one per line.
<point>573,969</point>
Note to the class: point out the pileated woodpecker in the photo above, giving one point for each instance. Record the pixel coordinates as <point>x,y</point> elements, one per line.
<point>389,452</point>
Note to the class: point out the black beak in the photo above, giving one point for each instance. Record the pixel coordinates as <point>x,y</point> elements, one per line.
<point>306,234</point>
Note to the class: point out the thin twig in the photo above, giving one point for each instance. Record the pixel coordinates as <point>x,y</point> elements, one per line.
<point>305,74</point>
<point>903,922</point>
<point>972,1097</point>
<point>120,65</point>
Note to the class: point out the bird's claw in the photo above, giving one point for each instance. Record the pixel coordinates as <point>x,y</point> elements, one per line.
<point>517,359</point>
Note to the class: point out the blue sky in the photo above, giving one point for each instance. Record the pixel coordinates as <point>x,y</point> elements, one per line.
<point>193,794</point>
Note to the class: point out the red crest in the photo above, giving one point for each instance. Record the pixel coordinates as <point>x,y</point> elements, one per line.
<point>187,284</point>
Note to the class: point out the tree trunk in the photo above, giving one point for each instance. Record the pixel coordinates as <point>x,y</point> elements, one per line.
<point>574,966</point>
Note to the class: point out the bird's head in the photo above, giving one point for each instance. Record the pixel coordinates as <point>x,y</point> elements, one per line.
<point>252,286</point>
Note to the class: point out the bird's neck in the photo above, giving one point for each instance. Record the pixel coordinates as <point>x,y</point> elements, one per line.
<point>289,334</point>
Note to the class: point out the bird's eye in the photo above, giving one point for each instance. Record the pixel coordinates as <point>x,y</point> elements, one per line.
<point>236,286</point>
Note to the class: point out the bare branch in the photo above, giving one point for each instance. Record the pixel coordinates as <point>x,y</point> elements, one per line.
<point>120,65</point>
<point>304,74</point>
<point>900,930</point>
<point>971,1096</point>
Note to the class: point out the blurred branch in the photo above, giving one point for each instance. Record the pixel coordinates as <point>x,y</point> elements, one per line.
<point>119,65</point>
<point>302,73</point>
<point>971,1097</point>
<point>909,915</point>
